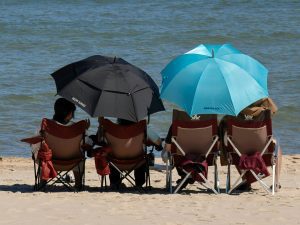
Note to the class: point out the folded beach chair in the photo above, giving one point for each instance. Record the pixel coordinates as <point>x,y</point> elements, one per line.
<point>127,150</point>
<point>194,147</point>
<point>251,148</point>
<point>60,152</point>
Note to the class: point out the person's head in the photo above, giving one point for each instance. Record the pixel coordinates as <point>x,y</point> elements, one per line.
<point>63,110</point>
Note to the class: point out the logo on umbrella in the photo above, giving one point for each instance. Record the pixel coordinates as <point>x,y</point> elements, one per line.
<point>79,102</point>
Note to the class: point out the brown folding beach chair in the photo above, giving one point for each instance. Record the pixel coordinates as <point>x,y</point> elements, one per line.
<point>251,148</point>
<point>60,153</point>
<point>127,150</point>
<point>194,147</point>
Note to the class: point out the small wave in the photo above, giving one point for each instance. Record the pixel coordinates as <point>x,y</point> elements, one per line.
<point>285,35</point>
<point>14,97</point>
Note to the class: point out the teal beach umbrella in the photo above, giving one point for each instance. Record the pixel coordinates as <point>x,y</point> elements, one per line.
<point>214,79</point>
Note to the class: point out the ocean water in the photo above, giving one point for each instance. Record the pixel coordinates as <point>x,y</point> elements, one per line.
<point>38,37</point>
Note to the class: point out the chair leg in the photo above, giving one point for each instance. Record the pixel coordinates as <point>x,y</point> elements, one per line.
<point>127,176</point>
<point>228,184</point>
<point>39,183</point>
<point>236,183</point>
<point>216,177</point>
<point>182,182</point>
<point>265,187</point>
<point>273,179</point>
<point>208,183</point>
<point>83,176</point>
<point>103,182</point>
<point>60,178</point>
<point>36,174</point>
<point>147,173</point>
<point>148,182</point>
<point>169,176</point>
<point>171,180</point>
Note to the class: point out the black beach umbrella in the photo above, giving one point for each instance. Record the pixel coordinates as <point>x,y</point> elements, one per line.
<point>106,86</point>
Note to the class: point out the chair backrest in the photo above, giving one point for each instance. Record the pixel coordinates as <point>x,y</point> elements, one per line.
<point>250,135</point>
<point>194,135</point>
<point>126,141</point>
<point>64,141</point>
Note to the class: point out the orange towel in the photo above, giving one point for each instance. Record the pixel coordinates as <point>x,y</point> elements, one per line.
<point>101,163</point>
<point>45,155</point>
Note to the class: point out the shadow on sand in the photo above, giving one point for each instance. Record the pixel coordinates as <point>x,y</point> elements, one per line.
<point>25,188</point>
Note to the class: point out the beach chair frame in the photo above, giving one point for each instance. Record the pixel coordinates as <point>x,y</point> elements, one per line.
<point>125,166</point>
<point>74,133</point>
<point>177,149</point>
<point>60,178</point>
<point>268,152</point>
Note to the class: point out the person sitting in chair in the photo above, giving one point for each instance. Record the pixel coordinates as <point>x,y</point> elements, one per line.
<point>167,148</point>
<point>139,173</point>
<point>253,112</point>
<point>64,111</point>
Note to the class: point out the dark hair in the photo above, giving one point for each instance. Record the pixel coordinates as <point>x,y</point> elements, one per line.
<point>62,108</point>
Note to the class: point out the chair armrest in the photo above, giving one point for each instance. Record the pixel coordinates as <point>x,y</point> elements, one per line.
<point>178,146</point>
<point>215,139</point>
<point>271,140</point>
<point>233,145</point>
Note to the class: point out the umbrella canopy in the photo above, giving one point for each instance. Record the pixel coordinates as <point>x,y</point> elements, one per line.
<point>105,86</point>
<point>214,79</point>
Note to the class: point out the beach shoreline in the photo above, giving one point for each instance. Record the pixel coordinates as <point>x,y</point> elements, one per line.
<point>19,204</point>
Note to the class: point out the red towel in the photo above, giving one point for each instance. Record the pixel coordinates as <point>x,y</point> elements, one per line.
<point>254,162</point>
<point>45,155</point>
<point>196,168</point>
<point>195,164</point>
<point>101,163</point>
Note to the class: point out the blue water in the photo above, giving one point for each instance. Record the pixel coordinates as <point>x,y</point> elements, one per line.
<point>38,37</point>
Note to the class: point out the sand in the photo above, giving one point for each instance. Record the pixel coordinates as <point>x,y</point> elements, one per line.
<point>20,205</point>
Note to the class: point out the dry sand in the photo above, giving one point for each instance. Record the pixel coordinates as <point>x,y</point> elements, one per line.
<point>20,205</point>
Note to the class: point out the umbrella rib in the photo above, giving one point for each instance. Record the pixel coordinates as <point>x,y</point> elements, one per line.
<point>227,90</point>
<point>141,89</point>
<point>92,86</point>
<point>88,84</point>
<point>197,86</point>
<point>117,92</point>
<point>181,70</point>
<point>200,80</point>
<point>244,71</point>
<point>241,69</point>
<point>94,110</point>
<point>135,114</point>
